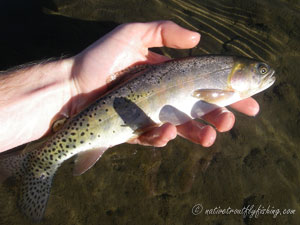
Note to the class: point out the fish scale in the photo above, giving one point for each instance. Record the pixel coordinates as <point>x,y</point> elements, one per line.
<point>166,92</point>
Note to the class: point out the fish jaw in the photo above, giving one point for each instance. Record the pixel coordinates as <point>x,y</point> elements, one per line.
<point>266,82</point>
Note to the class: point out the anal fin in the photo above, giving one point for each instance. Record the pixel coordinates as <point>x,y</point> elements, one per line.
<point>87,159</point>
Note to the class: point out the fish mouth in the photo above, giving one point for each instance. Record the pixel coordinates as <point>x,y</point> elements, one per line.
<point>267,80</point>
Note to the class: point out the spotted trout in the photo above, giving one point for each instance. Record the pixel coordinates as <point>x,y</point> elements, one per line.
<point>174,91</point>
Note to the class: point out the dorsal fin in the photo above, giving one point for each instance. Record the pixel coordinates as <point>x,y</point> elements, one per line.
<point>86,160</point>
<point>122,76</point>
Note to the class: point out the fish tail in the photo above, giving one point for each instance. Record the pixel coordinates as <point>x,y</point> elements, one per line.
<point>12,164</point>
<point>35,177</point>
<point>35,193</point>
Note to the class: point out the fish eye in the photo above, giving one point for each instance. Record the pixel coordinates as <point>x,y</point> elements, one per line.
<point>263,69</point>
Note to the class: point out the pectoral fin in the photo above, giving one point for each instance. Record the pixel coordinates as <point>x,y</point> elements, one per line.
<point>215,96</point>
<point>86,160</point>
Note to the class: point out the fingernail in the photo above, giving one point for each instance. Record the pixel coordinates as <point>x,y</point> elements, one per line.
<point>254,110</point>
<point>211,140</point>
<point>225,121</point>
<point>209,136</point>
<point>195,37</point>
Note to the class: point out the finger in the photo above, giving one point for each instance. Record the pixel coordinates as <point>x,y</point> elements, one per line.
<point>154,58</point>
<point>247,106</point>
<point>167,33</point>
<point>221,118</point>
<point>197,133</point>
<point>157,137</point>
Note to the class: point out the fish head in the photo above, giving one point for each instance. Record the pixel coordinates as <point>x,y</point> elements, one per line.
<point>249,77</point>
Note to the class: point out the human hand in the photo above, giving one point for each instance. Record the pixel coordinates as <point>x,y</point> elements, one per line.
<point>128,45</point>
<point>32,97</point>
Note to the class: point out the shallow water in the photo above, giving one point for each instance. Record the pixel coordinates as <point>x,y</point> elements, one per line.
<point>256,164</point>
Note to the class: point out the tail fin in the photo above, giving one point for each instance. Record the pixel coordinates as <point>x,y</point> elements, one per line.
<point>11,164</point>
<point>34,195</point>
<point>36,179</point>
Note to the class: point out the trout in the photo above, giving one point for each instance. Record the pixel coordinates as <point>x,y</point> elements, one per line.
<point>174,91</point>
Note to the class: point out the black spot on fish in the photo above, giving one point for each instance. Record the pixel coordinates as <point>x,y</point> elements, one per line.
<point>106,110</point>
<point>82,134</point>
<point>64,140</point>
<point>80,124</point>
<point>87,124</point>
<point>81,142</point>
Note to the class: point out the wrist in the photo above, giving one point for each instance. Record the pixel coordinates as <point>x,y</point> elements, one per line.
<point>31,98</point>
